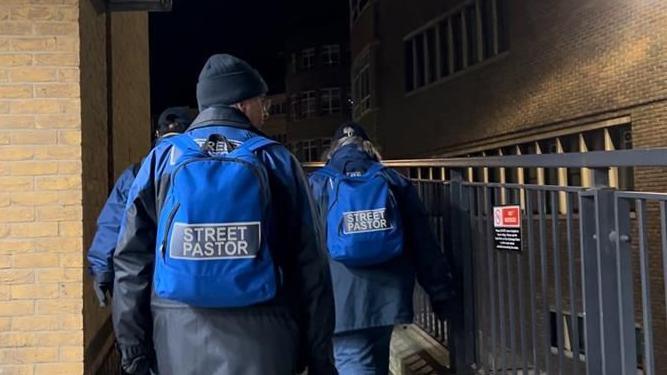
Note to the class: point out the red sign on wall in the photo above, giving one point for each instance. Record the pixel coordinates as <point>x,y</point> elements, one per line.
<point>507,216</point>
<point>507,227</point>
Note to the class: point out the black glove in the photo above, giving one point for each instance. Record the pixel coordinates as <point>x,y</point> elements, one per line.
<point>101,290</point>
<point>139,365</point>
<point>450,307</point>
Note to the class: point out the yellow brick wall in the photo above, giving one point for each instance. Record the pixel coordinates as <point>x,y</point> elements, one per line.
<point>41,324</point>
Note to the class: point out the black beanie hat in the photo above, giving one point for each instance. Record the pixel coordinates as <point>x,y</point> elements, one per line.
<point>227,80</point>
<point>175,120</point>
<point>350,129</point>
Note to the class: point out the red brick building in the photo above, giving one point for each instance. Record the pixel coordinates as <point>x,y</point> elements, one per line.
<point>499,77</point>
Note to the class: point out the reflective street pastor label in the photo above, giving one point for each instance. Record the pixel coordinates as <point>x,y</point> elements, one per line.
<point>215,241</point>
<point>365,221</point>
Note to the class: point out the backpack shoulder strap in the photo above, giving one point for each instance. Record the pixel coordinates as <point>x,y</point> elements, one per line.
<point>328,172</point>
<point>184,142</point>
<point>255,143</point>
<point>374,169</point>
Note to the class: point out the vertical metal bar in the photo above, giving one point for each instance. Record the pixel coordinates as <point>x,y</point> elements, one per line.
<point>624,273</point>
<point>607,277</point>
<point>601,281</point>
<point>484,274</point>
<point>589,272</point>
<point>467,251</point>
<point>501,302</point>
<point>473,224</point>
<point>439,229</point>
<point>511,318</point>
<point>649,366</point>
<point>490,267</point>
<point>574,317</point>
<point>546,342</point>
<point>555,199</point>
<point>522,319</point>
<point>663,236</point>
<point>464,331</point>
<point>531,271</point>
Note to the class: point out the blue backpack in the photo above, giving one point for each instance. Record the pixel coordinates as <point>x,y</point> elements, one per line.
<point>212,249</point>
<point>363,219</point>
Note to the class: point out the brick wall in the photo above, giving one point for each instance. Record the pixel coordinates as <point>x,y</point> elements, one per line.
<point>41,327</point>
<point>569,64</point>
<point>55,98</point>
<point>565,62</point>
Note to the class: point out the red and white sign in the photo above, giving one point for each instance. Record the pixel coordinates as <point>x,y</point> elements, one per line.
<point>507,217</point>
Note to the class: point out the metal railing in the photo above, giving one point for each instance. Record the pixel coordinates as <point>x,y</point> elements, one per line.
<point>587,291</point>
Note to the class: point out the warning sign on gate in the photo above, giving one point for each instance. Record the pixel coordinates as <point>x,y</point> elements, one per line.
<point>507,227</point>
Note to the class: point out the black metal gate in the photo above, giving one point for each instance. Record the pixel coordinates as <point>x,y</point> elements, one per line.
<point>583,293</point>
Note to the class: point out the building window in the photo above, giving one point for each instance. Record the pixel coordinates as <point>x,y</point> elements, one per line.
<point>420,72</point>
<point>409,65</point>
<point>356,8</point>
<point>361,85</point>
<point>293,63</point>
<point>472,38</point>
<point>330,100</point>
<point>311,149</point>
<point>295,107</point>
<point>611,138</point>
<point>308,58</point>
<point>456,41</point>
<point>443,40</point>
<point>431,55</point>
<point>278,108</point>
<point>308,103</point>
<point>488,36</point>
<point>331,54</point>
<point>502,31</point>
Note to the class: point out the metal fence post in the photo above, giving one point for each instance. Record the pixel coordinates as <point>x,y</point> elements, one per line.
<point>462,334</point>
<point>604,276</point>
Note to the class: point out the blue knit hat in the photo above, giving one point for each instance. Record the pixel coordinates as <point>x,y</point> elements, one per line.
<point>226,80</point>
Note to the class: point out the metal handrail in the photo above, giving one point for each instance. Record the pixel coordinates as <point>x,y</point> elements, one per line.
<point>593,159</point>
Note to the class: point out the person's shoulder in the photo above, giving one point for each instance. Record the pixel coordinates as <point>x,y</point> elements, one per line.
<point>318,175</point>
<point>396,178</point>
<point>277,152</point>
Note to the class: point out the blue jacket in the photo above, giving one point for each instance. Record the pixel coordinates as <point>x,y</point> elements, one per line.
<point>102,248</point>
<point>381,295</point>
<point>100,253</point>
<point>304,301</point>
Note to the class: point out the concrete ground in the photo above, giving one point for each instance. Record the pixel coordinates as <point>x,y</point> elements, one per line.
<point>413,352</point>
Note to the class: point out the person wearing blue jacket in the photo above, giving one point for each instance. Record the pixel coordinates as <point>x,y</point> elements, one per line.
<point>371,300</point>
<point>282,335</point>
<point>172,121</point>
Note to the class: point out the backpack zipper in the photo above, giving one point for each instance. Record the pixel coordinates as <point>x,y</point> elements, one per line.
<point>170,219</point>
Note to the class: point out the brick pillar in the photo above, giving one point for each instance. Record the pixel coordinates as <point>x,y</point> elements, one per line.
<point>41,270</point>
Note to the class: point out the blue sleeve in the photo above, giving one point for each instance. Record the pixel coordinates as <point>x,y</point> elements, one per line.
<point>317,187</point>
<point>306,263</point>
<point>433,268</point>
<point>134,260</point>
<point>108,226</point>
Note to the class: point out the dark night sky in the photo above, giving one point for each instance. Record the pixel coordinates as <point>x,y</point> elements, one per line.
<point>182,40</point>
